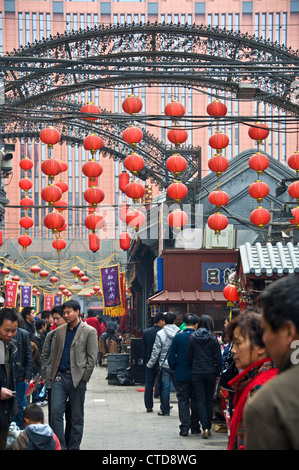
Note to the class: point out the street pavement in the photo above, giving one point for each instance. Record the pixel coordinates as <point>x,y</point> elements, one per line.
<point>116,419</point>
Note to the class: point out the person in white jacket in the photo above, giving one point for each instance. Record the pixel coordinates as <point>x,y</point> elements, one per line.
<point>160,352</point>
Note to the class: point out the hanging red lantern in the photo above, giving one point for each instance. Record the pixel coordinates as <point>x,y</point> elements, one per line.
<point>123,210</point>
<point>50,136</point>
<point>44,274</point>
<point>259,132</point>
<point>177,219</point>
<point>218,163</point>
<point>25,241</point>
<point>26,222</point>
<point>218,198</point>
<point>135,190</point>
<point>94,222</point>
<point>26,203</point>
<point>218,141</point>
<point>177,135</point>
<point>64,166</point>
<point>61,205</point>
<point>123,180</point>
<point>177,191</point>
<point>293,190</point>
<point>92,169</point>
<point>259,190</point>
<point>54,221</point>
<point>176,164</point>
<point>53,280</point>
<point>258,162</point>
<point>25,184</point>
<point>94,195</point>
<point>217,222</point>
<point>63,186</point>
<point>124,241</point>
<point>132,135</point>
<point>134,163</point>
<point>260,217</point>
<point>93,143</point>
<point>16,278</point>
<point>174,109</point>
<point>26,164</point>
<point>35,269</point>
<point>217,109</point>
<point>135,219</point>
<point>51,167</point>
<point>94,243</point>
<point>293,161</point>
<point>75,270</point>
<point>90,108</point>
<point>295,213</point>
<point>230,293</point>
<point>84,279</point>
<point>51,194</point>
<point>1,238</point>
<point>132,105</point>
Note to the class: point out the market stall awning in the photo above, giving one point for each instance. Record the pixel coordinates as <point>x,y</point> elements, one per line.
<point>186,297</point>
<point>270,259</point>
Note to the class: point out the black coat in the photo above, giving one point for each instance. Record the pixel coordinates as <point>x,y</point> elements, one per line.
<point>204,353</point>
<point>8,408</point>
<point>148,339</point>
<point>24,355</point>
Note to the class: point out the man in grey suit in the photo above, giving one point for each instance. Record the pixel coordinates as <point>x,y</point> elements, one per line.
<point>74,355</point>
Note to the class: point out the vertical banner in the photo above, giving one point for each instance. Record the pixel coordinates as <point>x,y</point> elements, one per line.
<point>111,290</point>
<point>123,294</point>
<point>57,300</point>
<point>11,292</point>
<point>48,301</point>
<point>26,296</point>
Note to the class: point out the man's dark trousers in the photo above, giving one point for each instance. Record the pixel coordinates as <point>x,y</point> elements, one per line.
<point>187,406</point>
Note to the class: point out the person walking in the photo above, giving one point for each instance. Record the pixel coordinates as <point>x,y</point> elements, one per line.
<point>205,355</point>
<point>160,352</point>
<point>177,360</point>
<point>252,359</point>
<point>25,370</point>
<point>8,371</point>
<point>148,339</point>
<point>74,356</point>
<point>271,417</point>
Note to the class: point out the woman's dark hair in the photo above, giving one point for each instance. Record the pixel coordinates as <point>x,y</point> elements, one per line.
<point>249,323</point>
<point>205,321</point>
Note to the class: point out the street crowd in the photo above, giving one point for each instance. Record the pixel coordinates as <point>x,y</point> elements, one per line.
<point>248,379</point>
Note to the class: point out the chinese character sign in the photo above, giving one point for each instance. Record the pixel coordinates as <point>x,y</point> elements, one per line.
<point>11,292</point>
<point>111,289</point>
<point>215,276</point>
<point>26,296</point>
<point>48,301</point>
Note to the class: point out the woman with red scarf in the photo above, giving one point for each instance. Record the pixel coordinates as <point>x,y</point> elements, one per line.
<point>255,367</point>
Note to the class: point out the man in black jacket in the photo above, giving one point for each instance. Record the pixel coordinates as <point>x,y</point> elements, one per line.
<point>148,339</point>
<point>24,376</point>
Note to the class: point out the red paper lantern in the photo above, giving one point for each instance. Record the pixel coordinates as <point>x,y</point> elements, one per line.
<point>135,219</point>
<point>293,190</point>
<point>293,161</point>
<point>230,293</point>
<point>259,132</point>
<point>217,109</point>
<point>25,184</point>
<point>174,109</point>
<point>124,241</point>
<point>94,243</point>
<point>53,280</point>
<point>123,210</point>
<point>54,221</point>
<point>132,105</point>
<point>84,279</point>
<point>51,194</point>
<point>1,238</point>
<point>44,274</point>
<point>26,203</point>
<point>217,222</point>
<point>135,190</point>
<point>75,270</point>
<point>92,169</point>
<point>218,163</point>
<point>15,278</point>
<point>123,180</point>
<point>61,205</point>
<point>25,240</point>
<point>90,108</point>
<point>218,198</point>
<point>132,135</point>
<point>177,191</point>
<point>94,221</point>
<point>258,162</point>
<point>26,164</point>
<point>64,166</point>
<point>295,213</point>
<point>259,190</point>
<point>94,195</point>
<point>26,222</point>
<point>177,135</point>
<point>134,163</point>
<point>51,167</point>
<point>218,141</point>
<point>177,219</point>
<point>260,217</point>
<point>176,164</point>
<point>50,136</point>
<point>35,269</point>
<point>63,186</point>
<point>93,143</point>
<point>5,271</point>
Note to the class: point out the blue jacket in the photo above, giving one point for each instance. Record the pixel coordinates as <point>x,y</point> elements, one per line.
<point>177,357</point>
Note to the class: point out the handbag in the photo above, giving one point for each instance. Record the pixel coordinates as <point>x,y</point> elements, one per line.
<point>228,372</point>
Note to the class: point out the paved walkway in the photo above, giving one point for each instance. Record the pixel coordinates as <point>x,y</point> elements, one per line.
<point>115,419</point>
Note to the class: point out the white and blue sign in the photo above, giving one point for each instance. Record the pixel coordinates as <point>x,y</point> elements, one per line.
<point>215,276</point>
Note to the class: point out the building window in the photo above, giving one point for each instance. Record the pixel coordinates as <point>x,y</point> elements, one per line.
<point>247,8</point>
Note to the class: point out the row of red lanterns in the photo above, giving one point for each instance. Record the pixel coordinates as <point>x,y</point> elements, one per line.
<point>293,189</point>
<point>25,185</point>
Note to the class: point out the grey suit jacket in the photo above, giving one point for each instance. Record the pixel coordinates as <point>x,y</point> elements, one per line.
<point>83,353</point>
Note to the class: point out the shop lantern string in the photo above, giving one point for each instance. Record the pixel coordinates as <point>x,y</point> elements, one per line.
<point>25,184</point>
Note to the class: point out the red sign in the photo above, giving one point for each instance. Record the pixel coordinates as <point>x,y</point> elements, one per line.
<point>48,301</point>
<point>11,291</point>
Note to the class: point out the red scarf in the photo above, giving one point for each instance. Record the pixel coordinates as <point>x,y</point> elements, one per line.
<point>241,395</point>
